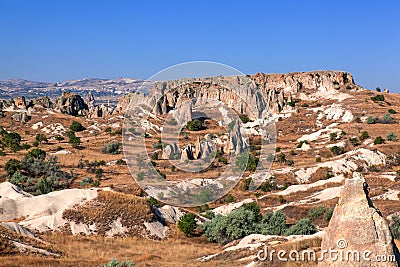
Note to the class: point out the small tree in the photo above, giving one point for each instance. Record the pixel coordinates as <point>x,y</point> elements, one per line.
<point>371,120</point>
<point>36,153</point>
<point>41,138</point>
<point>379,140</point>
<point>74,140</point>
<point>116,263</point>
<point>187,224</point>
<point>364,135</point>
<point>76,127</point>
<point>328,214</point>
<point>12,166</point>
<point>111,148</point>
<point>302,227</point>
<point>391,137</point>
<point>387,119</point>
<point>392,111</point>
<point>12,140</point>
<point>194,125</point>
<point>337,150</point>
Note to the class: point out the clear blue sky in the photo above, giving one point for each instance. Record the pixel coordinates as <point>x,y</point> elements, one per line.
<point>62,40</point>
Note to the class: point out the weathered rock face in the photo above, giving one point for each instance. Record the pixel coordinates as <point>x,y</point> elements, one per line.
<point>71,104</point>
<point>250,95</point>
<point>169,151</point>
<point>20,102</point>
<point>357,225</point>
<point>21,117</point>
<point>44,102</point>
<point>236,142</point>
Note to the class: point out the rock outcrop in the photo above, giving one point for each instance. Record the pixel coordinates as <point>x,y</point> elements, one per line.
<point>44,102</point>
<point>251,95</point>
<point>21,117</point>
<point>20,102</point>
<point>236,143</point>
<point>357,226</point>
<point>71,104</point>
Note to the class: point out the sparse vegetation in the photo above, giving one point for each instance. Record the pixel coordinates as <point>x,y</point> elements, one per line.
<point>392,111</point>
<point>328,214</point>
<point>337,150</point>
<point>391,137</point>
<point>111,148</point>
<point>12,140</point>
<point>76,127</point>
<point>187,224</point>
<point>316,212</point>
<point>364,135</point>
<point>195,125</point>
<point>302,227</point>
<point>378,98</point>
<point>41,138</point>
<point>116,263</point>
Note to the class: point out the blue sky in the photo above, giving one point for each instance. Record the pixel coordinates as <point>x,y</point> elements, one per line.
<point>62,40</point>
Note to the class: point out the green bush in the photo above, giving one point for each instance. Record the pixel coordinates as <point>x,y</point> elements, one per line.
<point>281,199</point>
<point>74,140</point>
<point>318,159</point>
<point>36,153</point>
<point>268,186</point>
<point>391,137</point>
<point>25,146</point>
<point>379,140</point>
<point>316,212</point>
<point>333,136</point>
<point>254,208</point>
<point>86,181</point>
<point>387,119</point>
<point>76,127</point>
<point>371,120</point>
<point>229,199</point>
<point>277,149</point>
<point>12,140</point>
<point>187,224</point>
<point>42,176</point>
<point>41,138</point>
<point>302,227</point>
<point>116,263</point>
<point>364,135</point>
<point>194,125</point>
<point>12,166</point>
<point>337,150</point>
<point>204,196</point>
<point>111,148</point>
<point>59,138</point>
<point>354,141</point>
<point>392,111</point>
<point>224,229</point>
<point>378,98</point>
<point>246,161</point>
<point>2,153</point>
<point>328,214</point>
<point>273,224</point>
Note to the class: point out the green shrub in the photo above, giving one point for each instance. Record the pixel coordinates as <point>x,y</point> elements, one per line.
<point>328,214</point>
<point>316,212</point>
<point>74,140</point>
<point>111,148</point>
<point>204,196</point>
<point>318,159</point>
<point>36,153</point>
<point>277,149</point>
<point>59,138</point>
<point>268,186</point>
<point>371,120</point>
<point>76,127</point>
<point>364,135</point>
<point>379,140</point>
<point>194,125</point>
<point>246,161</point>
<point>154,156</point>
<point>41,138</point>
<point>12,140</point>
<point>246,184</point>
<point>12,166</point>
<point>354,141</point>
<point>273,224</point>
<point>25,146</point>
<point>224,229</point>
<point>387,119</point>
<point>86,181</point>
<point>116,263</point>
<point>254,208</point>
<point>391,137</point>
<point>187,224</point>
<point>2,153</point>
<point>281,199</point>
<point>302,227</point>
<point>333,136</point>
<point>392,111</point>
<point>281,158</point>
<point>337,150</point>
<point>109,129</point>
<point>378,98</point>
<point>229,199</point>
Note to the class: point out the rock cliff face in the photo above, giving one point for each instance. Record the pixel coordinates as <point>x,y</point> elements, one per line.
<point>357,225</point>
<point>71,104</point>
<point>251,95</point>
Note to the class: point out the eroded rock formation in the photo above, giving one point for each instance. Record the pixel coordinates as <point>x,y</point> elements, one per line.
<point>71,104</point>
<point>357,226</point>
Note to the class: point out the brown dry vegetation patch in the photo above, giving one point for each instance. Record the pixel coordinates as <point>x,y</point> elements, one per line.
<point>107,207</point>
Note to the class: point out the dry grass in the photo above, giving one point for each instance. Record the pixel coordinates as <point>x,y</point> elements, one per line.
<point>94,250</point>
